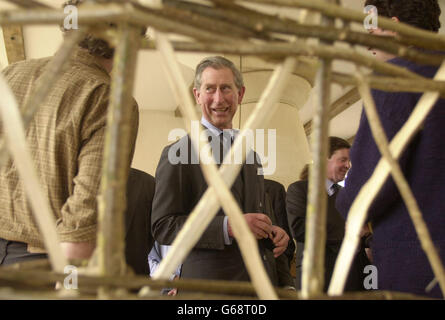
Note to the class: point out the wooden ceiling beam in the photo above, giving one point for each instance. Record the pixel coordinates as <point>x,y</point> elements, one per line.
<point>351,140</point>
<point>339,105</point>
<point>14,45</point>
<point>29,4</point>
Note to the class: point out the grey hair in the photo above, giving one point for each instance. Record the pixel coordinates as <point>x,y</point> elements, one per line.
<point>217,62</point>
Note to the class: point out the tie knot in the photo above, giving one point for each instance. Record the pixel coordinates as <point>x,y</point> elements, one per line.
<point>335,187</point>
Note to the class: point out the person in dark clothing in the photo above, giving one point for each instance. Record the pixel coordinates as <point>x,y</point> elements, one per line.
<point>296,202</point>
<point>138,237</point>
<point>277,195</point>
<point>397,253</point>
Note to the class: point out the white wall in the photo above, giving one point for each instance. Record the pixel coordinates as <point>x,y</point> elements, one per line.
<point>154,128</point>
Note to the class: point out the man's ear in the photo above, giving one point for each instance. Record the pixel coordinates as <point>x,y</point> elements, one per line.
<point>196,94</point>
<point>241,94</point>
<point>395,19</point>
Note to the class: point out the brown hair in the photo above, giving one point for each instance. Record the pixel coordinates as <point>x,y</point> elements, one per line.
<point>304,174</point>
<point>336,143</point>
<point>217,62</point>
<point>423,14</point>
<point>95,46</point>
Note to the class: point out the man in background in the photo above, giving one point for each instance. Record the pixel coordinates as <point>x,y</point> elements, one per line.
<point>338,165</point>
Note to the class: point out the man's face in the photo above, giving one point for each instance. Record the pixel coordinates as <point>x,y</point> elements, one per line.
<point>338,165</point>
<point>218,96</point>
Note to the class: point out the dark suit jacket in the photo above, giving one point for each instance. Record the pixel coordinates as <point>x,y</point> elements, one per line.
<point>138,238</point>
<point>277,195</point>
<point>296,202</point>
<point>179,187</point>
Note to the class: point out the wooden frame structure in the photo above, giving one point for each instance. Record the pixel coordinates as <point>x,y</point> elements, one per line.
<point>224,27</point>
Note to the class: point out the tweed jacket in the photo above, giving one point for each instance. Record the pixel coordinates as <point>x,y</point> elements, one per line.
<point>66,139</point>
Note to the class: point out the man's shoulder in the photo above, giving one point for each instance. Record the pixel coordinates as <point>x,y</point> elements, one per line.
<point>179,150</point>
<point>298,185</point>
<point>26,67</point>
<point>181,142</point>
<point>272,184</point>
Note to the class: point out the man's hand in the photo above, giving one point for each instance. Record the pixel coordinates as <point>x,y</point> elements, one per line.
<point>77,250</point>
<point>174,291</point>
<point>259,224</point>
<point>280,240</point>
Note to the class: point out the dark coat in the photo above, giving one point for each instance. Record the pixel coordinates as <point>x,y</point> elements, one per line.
<point>401,263</point>
<point>138,238</point>
<point>296,202</point>
<point>277,194</point>
<point>179,187</point>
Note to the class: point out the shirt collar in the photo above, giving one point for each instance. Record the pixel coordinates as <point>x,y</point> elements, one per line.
<point>217,131</point>
<point>329,184</point>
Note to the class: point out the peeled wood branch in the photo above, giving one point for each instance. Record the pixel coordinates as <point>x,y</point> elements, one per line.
<point>93,15</point>
<point>313,265</point>
<point>43,279</point>
<point>338,106</point>
<point>393,84</point>
<point>336,11</point>
<point>39,279</point>
<point>167,21</point>
<point>260,22</point>
<point>14,45</point>
<point>280,50</point>
<point>117,154</point>
<point>157,19</point>
<point>30,4</point>
<point>195,18</point>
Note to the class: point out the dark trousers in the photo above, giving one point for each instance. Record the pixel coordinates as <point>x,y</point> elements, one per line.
<point>14,252</point>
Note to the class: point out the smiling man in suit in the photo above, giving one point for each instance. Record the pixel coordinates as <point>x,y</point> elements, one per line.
<point>218,89</point>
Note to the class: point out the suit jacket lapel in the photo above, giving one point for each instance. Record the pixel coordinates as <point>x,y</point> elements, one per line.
<point>252,189</point>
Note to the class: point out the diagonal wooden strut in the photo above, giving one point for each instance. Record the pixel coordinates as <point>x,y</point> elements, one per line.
<point>117,154</point>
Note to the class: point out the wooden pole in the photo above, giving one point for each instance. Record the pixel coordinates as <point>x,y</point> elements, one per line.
<point>392,84</point>
<point>117,154</point>
<point>315,235</point>
<point>15,48</point>
<point>278,51</point>
<point>338,106</point>
<point>335,11</point>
